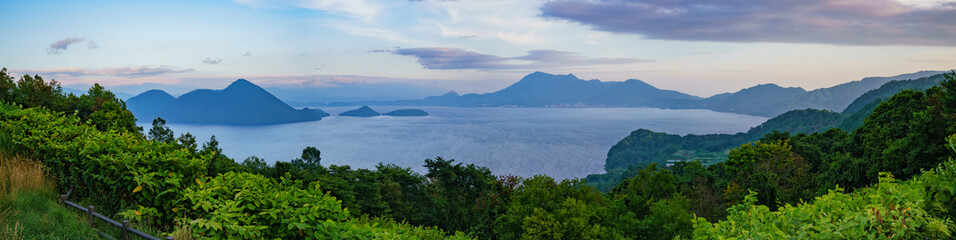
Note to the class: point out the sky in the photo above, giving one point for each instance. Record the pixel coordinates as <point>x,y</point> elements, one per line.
<point>700,47</point>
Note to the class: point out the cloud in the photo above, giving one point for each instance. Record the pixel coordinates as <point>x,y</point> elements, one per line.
<point>840,22</point>
<point>456,58</point>
<point>359,9</point>
<point>247,54</point>
<point>130,72</point>
<point>211,61</point>
<point>91,45</point>
<point>59,46</point>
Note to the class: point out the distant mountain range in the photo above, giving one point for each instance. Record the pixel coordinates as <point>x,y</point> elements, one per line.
<point>548,90</point>
<point>244,103</point>
<point>241,103</point>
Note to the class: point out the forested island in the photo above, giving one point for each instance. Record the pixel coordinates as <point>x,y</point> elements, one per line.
<point>892,176</point>
<point>241,103</point>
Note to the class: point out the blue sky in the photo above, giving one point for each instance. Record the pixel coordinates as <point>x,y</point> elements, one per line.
<point>701,47</point>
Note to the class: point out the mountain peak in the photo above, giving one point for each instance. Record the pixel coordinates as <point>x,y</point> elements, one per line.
<point>364,111</point>
<point>542,77</point>
<point>242,83</point>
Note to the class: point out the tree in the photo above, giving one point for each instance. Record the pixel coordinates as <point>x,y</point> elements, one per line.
<point>212,146</point>
<point>160,132</point>
<point>104,110</point>
<point>310,159</point>
<point>540,208</point>
<point>7,85</point>
<point>35,92</point>
<point>187,141</point>
<point>772,170</point>
<point>458,191</point>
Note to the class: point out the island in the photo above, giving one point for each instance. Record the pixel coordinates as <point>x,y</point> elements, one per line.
<point>407,113</point>
<point>364,111</point>
<point>241,103</point>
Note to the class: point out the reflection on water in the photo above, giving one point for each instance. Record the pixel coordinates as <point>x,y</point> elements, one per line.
<point>559,142</point>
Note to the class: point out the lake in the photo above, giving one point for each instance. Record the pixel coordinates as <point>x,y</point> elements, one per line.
<point>559,142</point>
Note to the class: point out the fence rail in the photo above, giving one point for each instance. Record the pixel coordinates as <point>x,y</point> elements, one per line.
<point>92,215</point>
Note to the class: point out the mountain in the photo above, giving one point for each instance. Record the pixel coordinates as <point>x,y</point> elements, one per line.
<point>756,100</point>
<point>148,105</point>
<point>363,111</point>
<point>540,89</point>
<point>548,90</point>
<point>241,103</point>
<point>771,100</point>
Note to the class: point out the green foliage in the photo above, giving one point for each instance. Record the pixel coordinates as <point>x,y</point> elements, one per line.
<point>311,159</point>
<point>104,110</point>
<point>234,205</point>
<point>461,194</point>
<point>648,206</point>
<point>98,106</point>
<point>919,208</point>
<point>772,170</point>
<point>543,209</point>
<point>118,171</point>
<point>160,132</point>
<point>888,210</point>
<point>381,228</point>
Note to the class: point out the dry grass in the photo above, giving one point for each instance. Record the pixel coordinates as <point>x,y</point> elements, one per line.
<point>12,232</point>
<point>18,174</point>
<point>182,232</point>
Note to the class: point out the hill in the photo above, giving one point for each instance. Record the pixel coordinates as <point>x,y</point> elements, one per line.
<point>148,105</point>
<point>757,100</point>
<point>241,103</point>
<point>363,111</point>
<point>644,147</point>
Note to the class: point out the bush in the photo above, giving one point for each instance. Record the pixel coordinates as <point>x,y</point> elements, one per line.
<point>116,171</point>
<point>246,205</point>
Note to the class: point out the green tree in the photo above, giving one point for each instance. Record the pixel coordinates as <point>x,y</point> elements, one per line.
<point>187,141</point>
<point>104,110</point>
<point>7,85</point>
<point>772,170</point>
<point>458,190</point>
<point>35,92</point>
<point>310,159</point>
<point>160,132</point>
<point>540,208</point>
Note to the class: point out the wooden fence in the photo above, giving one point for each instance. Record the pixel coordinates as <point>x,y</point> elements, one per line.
<point>92,216</point>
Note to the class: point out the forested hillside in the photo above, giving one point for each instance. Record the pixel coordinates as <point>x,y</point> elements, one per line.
<point>779,186</point>
<point>643,146</point>
<point>241,103</point>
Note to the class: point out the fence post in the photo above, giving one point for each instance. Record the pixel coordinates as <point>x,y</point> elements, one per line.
<point>125,229</point>
<point>89,215</point>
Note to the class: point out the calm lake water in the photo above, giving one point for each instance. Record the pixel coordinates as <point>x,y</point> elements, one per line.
<point>559,142</point>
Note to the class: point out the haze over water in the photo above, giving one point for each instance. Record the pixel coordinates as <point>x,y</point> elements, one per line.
<point>558,142</point>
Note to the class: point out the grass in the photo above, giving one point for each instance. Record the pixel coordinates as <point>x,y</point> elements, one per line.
<point>29,208</point>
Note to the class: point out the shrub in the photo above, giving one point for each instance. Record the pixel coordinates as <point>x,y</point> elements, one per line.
<point>246,205</point>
